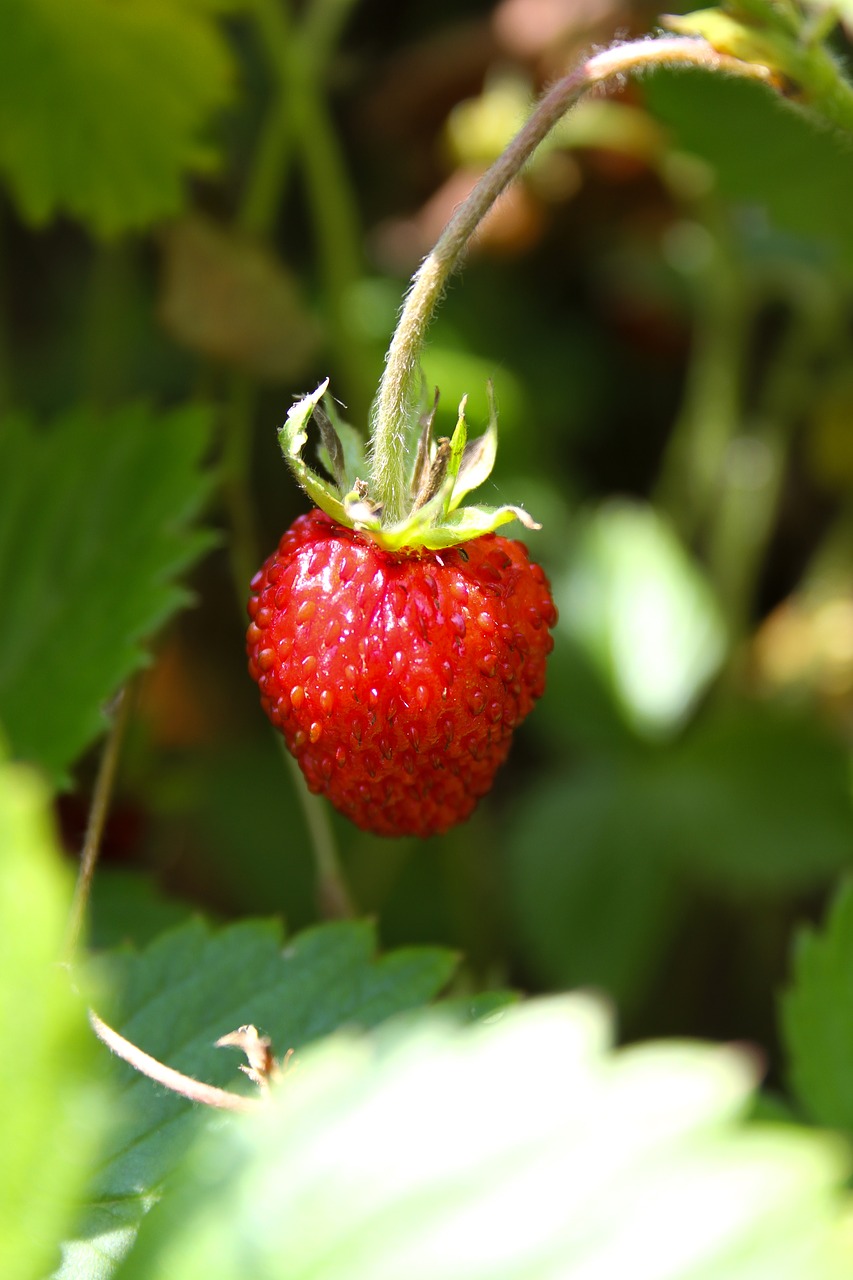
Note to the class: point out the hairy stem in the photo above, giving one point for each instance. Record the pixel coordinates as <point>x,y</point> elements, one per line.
<point>395,407</point>
<point>334,899</point>
<point>712,406</point>
<point>98,812</point>
<point>168,1077</point>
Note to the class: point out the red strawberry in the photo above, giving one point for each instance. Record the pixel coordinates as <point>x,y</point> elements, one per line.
<point>398,676</point>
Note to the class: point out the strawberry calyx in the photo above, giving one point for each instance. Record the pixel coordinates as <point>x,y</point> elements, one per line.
<point>440,473</point>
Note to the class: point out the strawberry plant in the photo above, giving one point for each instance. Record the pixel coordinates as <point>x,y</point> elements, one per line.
<point>521,944</point>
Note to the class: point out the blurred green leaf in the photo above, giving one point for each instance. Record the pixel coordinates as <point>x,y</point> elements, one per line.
<point>816,1018</point>
<point>526,1148</point>
<point>103,106</point>
<point>592,894</point>
<point>126,907</point>
<point>759,800</point>
<point>95,525</point>
<point>193,985</point>
<point>641,610</point>
<point>244,788</point>
<point>52,1114</point>
<point>765,155</point>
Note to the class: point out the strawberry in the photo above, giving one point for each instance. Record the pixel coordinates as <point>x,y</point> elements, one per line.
<point>397,656</point>
<point>398,677</point>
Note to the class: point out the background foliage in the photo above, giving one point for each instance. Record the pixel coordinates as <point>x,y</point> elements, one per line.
<point>205,208</point>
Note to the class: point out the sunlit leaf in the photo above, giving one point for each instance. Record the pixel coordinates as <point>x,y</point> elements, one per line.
<point>642,611</point>
<point>52,1112</point>
<point>524,1148</point>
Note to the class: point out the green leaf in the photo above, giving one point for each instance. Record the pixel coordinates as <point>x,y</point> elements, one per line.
<point>816,1020</point>
<point>643,613</point>
<point>592,892</point>
<point>776,160</point>
<point>103,106</point>
<point>126,907</point>
<point>52,1112</point>
<point>95,526</point>
<point>523,1149</point>
<point>192,986</point>
<point>760,800</point>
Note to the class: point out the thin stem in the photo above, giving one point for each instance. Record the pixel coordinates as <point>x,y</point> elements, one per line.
<point>7,392</point>
<point>97,821</point>
<point>395,405</point>
<point>751,491</point>
<point>274,153</point>
<point>712,405</point>
<point>335,223</point>
<point>238,412</point>
<point>333,896</point>
<point>323,26</point>
<point>175,1081</point>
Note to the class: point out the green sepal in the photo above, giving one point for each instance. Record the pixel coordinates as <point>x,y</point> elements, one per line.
<point>440,521</point>
<point>479,454</point>
<point>351,442</point>
<point>292,438</point>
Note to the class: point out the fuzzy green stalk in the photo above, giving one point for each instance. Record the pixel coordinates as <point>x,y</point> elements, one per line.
<point>395,409</point>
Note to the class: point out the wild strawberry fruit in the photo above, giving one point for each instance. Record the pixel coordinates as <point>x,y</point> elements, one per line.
<point>397,677</point>
<point>397,658</point>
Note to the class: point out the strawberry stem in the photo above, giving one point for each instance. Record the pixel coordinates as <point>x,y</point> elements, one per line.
<point>395,410</point>
<point>98,813</point>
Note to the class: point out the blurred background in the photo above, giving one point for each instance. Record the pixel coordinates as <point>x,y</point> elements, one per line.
<point>663,304</point>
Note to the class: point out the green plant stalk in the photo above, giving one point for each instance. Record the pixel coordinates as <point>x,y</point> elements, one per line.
<point>395,407</point>
<point>299,69</point>
<point>746,511</point>
<point>333,894</point>
<point>266,179</point>
<point>712,403</point>
<point>98,812</point>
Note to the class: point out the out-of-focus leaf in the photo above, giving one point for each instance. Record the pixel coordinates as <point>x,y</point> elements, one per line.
<point>592,893</point>
<point>126,908</point>
<point>759,800</point>
<point>245,789</point>
<point>233,300</point>
<point>52,1114</point>
<point>816,1017</point>
<point>96,523</point>
<point>190,987</point>
<point>634,601</point>
<point>103,106</point>
<point>527,1148</point>
<point>764,155</point>
<point>829,439</point>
